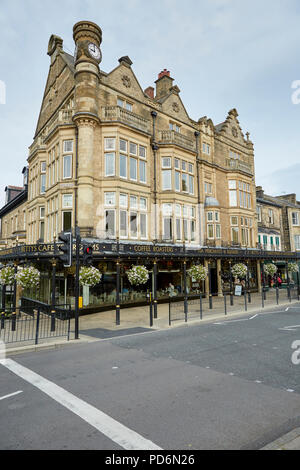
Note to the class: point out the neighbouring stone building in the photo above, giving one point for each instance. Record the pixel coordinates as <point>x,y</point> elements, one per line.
<point>143,181</point>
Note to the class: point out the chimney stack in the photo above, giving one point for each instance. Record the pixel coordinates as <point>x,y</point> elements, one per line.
<point>150,92</point>
<point>163,84</point>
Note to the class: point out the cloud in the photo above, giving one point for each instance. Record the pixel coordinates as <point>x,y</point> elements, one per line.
<point>283,181</point>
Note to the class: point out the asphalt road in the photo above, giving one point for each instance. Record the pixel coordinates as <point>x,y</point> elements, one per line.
<point>225,385</point>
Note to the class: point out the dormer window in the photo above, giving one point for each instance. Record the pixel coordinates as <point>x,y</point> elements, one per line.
<point>174,127</point>
<point>124,104</point>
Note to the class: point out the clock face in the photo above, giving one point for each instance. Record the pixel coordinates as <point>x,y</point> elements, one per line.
<point>94,51</point>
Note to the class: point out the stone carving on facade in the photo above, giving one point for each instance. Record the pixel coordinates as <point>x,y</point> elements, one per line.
<point>175,107</point>
<point>234,132</point>
<point>126,81</point>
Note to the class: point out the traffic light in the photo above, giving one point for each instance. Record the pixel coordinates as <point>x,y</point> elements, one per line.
<point>87,254</point>
<point>67,245</point>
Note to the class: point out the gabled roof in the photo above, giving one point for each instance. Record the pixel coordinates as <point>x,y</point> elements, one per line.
<point>15,202</point>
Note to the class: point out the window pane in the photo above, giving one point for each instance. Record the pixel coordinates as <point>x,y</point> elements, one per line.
<point>123,166</point>
<point>143,223</point>
<point>191,184</point>
<point>166,179</point>
<point>133,148</point>
<point>232,198</point>
<point>142,151</point>
<point>110,223</point>
<point>235,234</point>
<point>109,144</point>
<point>143,203</point>
<point>109,164</point>
<point>67,221</point>
<point>133,224</point>
<point>42,231</point>
<point>68,146</point>
<point>166,162</point>
<point>177,181</point>
<point>133,202</point>
<point>123,145</point>
<point>210,231</point>
<point>193,225</point>
<point>109,199</point>
<point>143,172</point>
<point>123,200</point>
<point>67,166</point>
<point>133,169</point>
<point>123,224</point>
<point>185,229</point>
<point>178,229</point>
<point>167,228</point>
<point>184,182</point>
<point>43,184</point>
<point>67,200</point>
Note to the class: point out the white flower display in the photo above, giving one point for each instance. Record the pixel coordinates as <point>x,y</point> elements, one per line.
<point>89,276</point>
<point>198,272</point>
<point>137,275</point>
<point>293,268</point>
<point>28,277</point>
<point>7,276</point>
<point>239,270</point>
<point>270,269</point>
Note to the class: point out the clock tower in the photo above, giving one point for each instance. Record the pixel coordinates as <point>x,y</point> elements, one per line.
<point>87,57</point>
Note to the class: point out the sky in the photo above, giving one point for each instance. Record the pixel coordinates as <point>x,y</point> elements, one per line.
<point>222,54</point>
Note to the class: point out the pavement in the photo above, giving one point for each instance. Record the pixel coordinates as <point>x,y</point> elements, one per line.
<point>136,321</point>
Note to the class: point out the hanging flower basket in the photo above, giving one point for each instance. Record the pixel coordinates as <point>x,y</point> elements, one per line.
<point>28,277</point>
<point>137,275</point>
<point>239,270</point>
<point>7,276</point>
<point>270,269</point>
<point>89,276</point>
<point>198,272</point>
<point>293,268</point>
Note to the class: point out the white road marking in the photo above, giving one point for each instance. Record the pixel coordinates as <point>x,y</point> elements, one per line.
<point>290,390</point>
<point>234,321</point>
<point>289,328</point>
<point>11,395</point>
<point>108,426</point>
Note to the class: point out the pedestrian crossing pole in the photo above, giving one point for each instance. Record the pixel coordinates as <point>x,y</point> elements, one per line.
<point>78,242</point>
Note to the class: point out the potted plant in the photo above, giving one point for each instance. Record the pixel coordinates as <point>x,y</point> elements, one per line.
<point>239,270</point>
<point>89,276</point>
<point>28,277</point>
<point>137,275</point>
<point>7,276</point>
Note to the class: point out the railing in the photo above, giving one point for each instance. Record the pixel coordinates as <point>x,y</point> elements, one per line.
<point>176,138</point>
<point>33,324</point>
<point>266,247</point>
<point>239,165</point>
<point>63,116</point>
<point>61,310</point>
<point>117,114</point>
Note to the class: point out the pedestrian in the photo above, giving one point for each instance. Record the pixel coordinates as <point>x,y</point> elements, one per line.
<point>279,281</point>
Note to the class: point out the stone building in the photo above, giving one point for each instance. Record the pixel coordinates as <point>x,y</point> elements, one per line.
<point>143,181</point>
